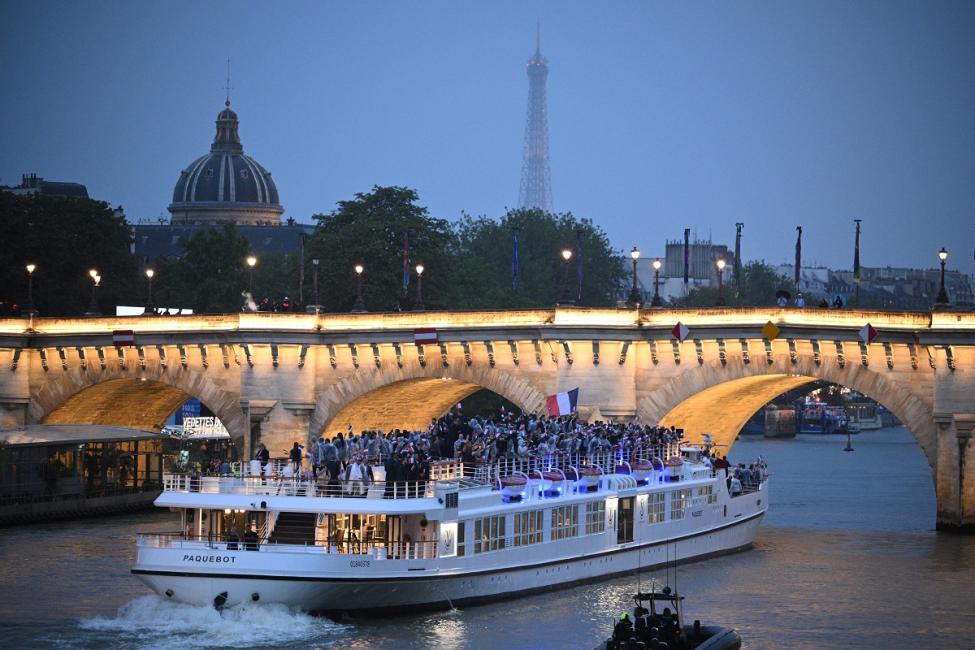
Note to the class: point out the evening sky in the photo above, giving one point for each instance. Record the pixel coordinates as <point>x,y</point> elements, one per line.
<point>661,115</point>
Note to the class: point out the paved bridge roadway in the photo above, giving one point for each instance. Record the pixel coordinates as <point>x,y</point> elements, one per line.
<point>282,377</point>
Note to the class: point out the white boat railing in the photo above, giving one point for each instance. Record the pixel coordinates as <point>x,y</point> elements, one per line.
<point>375,549</point>
<point>278,480</point>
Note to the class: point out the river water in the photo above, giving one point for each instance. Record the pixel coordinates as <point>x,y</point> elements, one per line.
<point>847,557</point>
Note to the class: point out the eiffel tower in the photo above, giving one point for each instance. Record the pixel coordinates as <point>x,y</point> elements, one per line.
<point>536,181</point>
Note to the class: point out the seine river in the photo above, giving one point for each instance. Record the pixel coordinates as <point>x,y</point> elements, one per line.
<point>847,558</point>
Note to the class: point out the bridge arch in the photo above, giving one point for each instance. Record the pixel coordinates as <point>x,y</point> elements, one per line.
<point>719,399</point>
<point>139,398</point>
<point>391,396</point>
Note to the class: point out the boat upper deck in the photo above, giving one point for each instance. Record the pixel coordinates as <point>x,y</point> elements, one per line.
<point>657,464</point>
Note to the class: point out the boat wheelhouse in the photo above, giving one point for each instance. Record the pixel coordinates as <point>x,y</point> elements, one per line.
<point>467,534</point>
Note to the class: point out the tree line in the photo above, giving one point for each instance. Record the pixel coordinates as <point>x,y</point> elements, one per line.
<point>468,264</point>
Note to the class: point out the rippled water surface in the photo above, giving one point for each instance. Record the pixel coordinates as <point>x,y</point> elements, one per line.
<point>847,558</point>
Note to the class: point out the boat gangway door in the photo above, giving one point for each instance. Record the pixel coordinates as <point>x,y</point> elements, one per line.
<point>448,496</point>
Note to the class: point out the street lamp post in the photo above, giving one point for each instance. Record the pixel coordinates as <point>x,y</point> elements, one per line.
<point>359,306</point>
<point>95,281</point>
<point>31,311</point>
<point>942,300</point>
<point>720,264</point>
<point>150,308</point>
<point>419,289</point>
<point>635,298</point>
<point>566,298</point>
<point>656,283</point>
<point>315,306</point>
<point>251,263</point>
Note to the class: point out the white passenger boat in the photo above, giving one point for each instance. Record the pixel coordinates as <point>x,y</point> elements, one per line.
<point>468,534</point>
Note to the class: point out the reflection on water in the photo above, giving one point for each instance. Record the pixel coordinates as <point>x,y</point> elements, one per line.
<point>847,552</point>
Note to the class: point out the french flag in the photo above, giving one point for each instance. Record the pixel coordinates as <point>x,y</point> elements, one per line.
<point>562,403</point>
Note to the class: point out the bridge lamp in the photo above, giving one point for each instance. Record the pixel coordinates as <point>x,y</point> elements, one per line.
<point>635,297</point>
<point>150,273</point>
<point>656,283</point>
<point>30,289</point>
<point>942,300</point>
<point>360,305</point>
<point>419,288</point>
<point>95,281</point>
<point>566,297</point>
<point>251,263</point>
<point>720,264</point>
<point>316,306</point>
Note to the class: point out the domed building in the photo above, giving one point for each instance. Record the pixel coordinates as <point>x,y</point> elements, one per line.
<point>225,185</point>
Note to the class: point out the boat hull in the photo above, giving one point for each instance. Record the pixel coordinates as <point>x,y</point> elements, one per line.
<point>231,580</point>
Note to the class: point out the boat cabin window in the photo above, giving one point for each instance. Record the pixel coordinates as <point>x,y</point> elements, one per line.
<point>656,507</point>
<point>595,517</point>
<point>528,527</point>
<point>489,534</point>
<point>461,538</point>
<point>678,502</point>
<point>565,522</point>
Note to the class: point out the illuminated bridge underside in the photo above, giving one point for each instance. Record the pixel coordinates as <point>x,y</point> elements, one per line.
<point>121,402</point>
<point>409,404</point>
<point>724,409</point>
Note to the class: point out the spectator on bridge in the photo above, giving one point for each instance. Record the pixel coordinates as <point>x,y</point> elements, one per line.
<point>800,301</point>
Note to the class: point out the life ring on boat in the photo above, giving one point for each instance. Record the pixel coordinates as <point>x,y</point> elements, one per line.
<point>513,481</point>
<point>589,475</point>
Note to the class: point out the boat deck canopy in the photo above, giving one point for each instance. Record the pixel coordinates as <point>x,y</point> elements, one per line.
<point>66,434</point>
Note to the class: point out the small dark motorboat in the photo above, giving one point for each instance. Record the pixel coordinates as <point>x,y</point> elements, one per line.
<point>652,629</point>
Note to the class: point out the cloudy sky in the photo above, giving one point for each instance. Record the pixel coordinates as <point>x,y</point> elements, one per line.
<point>661,115</point>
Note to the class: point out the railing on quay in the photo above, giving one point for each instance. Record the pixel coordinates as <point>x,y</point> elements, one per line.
<point>374,548</point>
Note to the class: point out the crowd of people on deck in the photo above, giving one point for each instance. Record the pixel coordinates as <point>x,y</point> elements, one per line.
<point>406,454</point>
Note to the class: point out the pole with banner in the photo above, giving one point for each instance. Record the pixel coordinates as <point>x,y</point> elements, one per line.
<point>406,261</point>
<point>798,256</point>
<point>687,256</point>
<point>856,262</point>
<point>579,266</point>
<point>514,260</point>
<point>738,227</point>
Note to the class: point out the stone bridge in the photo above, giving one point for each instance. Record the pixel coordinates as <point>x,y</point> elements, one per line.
<point>285,377</point>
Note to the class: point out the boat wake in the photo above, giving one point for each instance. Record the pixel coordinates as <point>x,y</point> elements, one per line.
<point>151,621</point>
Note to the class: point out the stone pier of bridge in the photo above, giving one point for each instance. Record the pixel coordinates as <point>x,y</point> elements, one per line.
<point>278,378</point>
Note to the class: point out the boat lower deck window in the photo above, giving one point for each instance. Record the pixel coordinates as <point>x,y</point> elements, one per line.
<point>528,528</point>
<point>489,534</point>
<point>595,517</point>
<point>565,522</point>
<point>656,508</point>
<point>679,500</point>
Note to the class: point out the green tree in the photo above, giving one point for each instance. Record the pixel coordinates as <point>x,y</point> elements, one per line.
<point>485,255</point>
<point>759,282</point>
<point>210,275</point>
<point>64,238</point>
<point>370,230</point>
